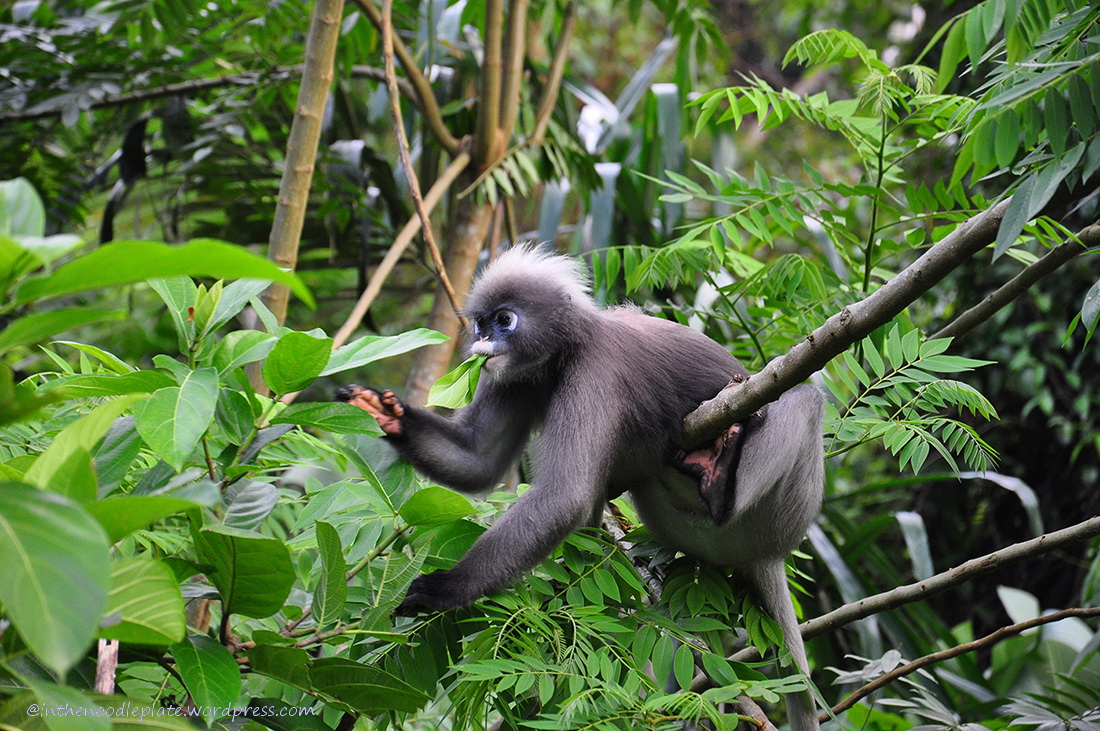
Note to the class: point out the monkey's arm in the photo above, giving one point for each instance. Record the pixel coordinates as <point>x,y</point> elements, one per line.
<point>469,452</point>
<point>569,486</point>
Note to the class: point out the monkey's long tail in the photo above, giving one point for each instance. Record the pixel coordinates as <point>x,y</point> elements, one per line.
<point>770,579</point>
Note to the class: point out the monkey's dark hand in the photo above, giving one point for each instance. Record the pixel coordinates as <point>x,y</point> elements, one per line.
<point>384,406</point>
<point>435,592</point>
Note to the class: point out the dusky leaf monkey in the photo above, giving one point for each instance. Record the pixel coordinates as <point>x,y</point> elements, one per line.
<point>605,393</point>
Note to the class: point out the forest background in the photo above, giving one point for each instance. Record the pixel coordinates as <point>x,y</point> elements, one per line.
<point>896,200</point>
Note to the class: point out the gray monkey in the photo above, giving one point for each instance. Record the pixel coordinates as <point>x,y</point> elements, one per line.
<point>606,391</point>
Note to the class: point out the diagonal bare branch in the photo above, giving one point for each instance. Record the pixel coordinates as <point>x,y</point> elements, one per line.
<point>429,105</point>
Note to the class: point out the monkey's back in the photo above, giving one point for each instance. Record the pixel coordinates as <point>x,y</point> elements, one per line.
<point>657,372</point>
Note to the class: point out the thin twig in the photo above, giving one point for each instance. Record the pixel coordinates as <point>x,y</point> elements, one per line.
<point>555,75</point>
<point>429,105</point>
<point>990,639</point>
<point>1021,283</point>
<point>406,160</point>
<point>389,261</point>
<point>400,243</point>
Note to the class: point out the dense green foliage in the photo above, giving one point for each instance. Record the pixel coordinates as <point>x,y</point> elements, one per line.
<point>249,554</point>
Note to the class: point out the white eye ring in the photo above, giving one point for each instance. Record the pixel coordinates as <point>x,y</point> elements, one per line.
<point>506,320</point>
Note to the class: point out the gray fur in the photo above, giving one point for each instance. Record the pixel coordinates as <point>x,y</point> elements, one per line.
<point>606,392</point>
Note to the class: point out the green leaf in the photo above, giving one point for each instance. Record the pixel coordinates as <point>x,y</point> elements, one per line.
<point>209,672</point>
<point>1016,216</point>
<point>331,591</point>
<point>295,361</point>
<point>21,210</point>
<point>179,295</point>
<point>173,420</point>
<point>370,348</point>
<point>684,666</point>
<point>248,503</point>
<point>456,389</point>
<point>32,328</point>
<point>235,416</point>
<point>145,605</point>
<point>81,714</point>
<point>127,262</point>
<point>336,417</point>
<point>240,347</point>
<point>1008,138</point>
<point>121,515</point>
<point>234,298</point>
<point>110,384</point>
<point>252,572</point>
<point>366,689</point>
<point>112,361</point>
<point>54,575</point>
<point>289,665</point>
<point>434,505</point>
<point>82,435</point>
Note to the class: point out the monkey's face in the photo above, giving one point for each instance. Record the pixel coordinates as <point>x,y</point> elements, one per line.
<point>505,335</point>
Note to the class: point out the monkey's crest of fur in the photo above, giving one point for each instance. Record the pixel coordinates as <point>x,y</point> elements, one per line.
<point>527,264</point>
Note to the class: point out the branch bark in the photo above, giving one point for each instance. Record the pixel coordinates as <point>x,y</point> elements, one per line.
<point>429,105</point>
<point>248,78</point>
<point>843,329</point>
<point>487,131</point>
<point>921,590</point>
<point>512,74</point>
<point>1015,287</point>
<point>990,639</point>
<point>301,153</point>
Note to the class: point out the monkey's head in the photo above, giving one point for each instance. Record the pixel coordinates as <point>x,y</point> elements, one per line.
<point>525,311</point>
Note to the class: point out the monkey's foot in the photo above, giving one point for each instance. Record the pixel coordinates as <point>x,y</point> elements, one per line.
<point>715,466</point>
<point>435,592</point>
<point>384,406</point>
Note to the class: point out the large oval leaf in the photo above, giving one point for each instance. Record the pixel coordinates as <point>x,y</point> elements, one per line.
<point>295,361</point>
<point>253,572</point>
<point>209,672</point>
<point>330,416</point>
<point>172,420</point>
<point>54,574</point>
<point>145,605</point>
<point>126,262</point>
<point>370,348</point>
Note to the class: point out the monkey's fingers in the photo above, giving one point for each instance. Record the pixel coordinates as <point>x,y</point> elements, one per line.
<point>430,593</point>
<point>385,407</point>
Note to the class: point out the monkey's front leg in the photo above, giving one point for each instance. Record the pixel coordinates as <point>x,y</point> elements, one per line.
<point>384,406</point>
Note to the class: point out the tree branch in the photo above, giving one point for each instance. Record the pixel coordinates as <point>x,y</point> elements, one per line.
<point>555,74</point>
<point>921,590</point>
<point>487,131</point>
<point>400,243</point>
<point>429,105</point>
<point>840,331</point>
<point>1022,282</point>
<point>990,639</point>
<point>512,73</point>
<point>389,261</point>
<point>406,158</point>
<point>301,148</point>
<point>185,88</point>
